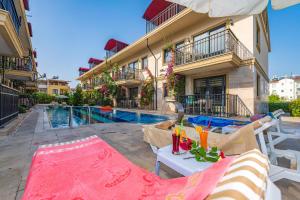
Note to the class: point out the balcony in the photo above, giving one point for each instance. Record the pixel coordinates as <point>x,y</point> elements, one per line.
<point>114,46</point>
<point>219,105</point>
<point>128,78</point>
<point>222,50</point>
<point>17,68</point>
<point>170,11</point>
<point>9,6</point>
<point>98,82</point>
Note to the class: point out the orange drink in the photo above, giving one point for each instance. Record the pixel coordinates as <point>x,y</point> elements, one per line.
<point>203,139</point>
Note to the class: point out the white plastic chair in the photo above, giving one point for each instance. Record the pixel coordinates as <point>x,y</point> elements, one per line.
<point>277,115</point>
<point>277,172</point>
<point>280,133</point>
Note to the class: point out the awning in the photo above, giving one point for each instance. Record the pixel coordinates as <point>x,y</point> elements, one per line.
<point>112,43</point>
<point>26,4</point>
<point>83,69</point>
<point>155,7</point>
<point>29,28</point>
<point>222,8</point>
<point>95,61</point>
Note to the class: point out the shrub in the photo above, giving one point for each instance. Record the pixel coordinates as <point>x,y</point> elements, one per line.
<point>279,105</point>
<point>147,93</point>
<point>295,108</point>
<point>22,109</point>
<point>43,98</point>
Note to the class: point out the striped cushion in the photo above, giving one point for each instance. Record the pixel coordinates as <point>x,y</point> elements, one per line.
<point>246,178</point>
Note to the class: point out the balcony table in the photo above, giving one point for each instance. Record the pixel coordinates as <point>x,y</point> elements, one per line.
<point>183,166</point>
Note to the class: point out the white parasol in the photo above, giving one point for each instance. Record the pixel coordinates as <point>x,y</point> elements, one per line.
<point>223,8</point>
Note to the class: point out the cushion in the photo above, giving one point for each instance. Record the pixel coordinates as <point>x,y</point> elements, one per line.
<point>241,141</point>
<point>167,125</point>
<point>246,178</point>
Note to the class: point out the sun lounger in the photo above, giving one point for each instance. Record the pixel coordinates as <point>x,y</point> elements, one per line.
<point>91,169</point>
<point>277,114</point>
<point>278,172</point>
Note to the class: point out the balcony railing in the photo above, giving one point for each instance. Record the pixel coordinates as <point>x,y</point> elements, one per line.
<point>12,63</point>
<point>217,44</point>
<point>133,103</point>
<point>220,105</point>
<point>164,16</point>
<point>129,75</point>
<point>9,6</point>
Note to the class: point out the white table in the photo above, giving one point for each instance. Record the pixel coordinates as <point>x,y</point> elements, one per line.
<point>183,166</point>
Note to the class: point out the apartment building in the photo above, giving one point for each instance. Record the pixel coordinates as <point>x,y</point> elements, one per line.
<point>17,57</point>
<point>286,87</point>
<point>224,61</point>
<point>54,86</point>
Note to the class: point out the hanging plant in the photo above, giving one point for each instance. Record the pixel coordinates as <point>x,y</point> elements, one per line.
<point>175,82</point>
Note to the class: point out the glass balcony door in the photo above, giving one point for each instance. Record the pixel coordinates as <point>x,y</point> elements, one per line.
<point>209,43</point>
<point>210,86</point>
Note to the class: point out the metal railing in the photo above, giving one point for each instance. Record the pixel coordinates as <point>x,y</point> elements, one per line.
<point>220,105</point>
<point>8,104</point>
<point>9,6</point>
<point>13,63</point>
<point>133,103</point>
<point>128,75</point>
<point>217,44</point>
<point>163,16</point>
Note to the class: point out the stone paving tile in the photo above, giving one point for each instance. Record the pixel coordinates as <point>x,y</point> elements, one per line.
<point>18,148</point>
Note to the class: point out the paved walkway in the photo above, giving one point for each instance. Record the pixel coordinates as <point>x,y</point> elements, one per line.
<point>17,149</point>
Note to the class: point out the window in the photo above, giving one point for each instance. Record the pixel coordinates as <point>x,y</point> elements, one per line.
<point>132,66</point>
<point>179,45</point>
<point>55,91</point>
<point>144,62</point>
<point>257,36</point>
<point>165,90</point>
<point>258,85</point>
<point>167,56</point>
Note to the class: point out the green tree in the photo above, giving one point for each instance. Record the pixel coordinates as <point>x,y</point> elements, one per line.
<point>77,99</point>
<point>274,98</point>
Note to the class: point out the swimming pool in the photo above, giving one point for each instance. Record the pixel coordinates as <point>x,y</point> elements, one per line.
<point>59,116</point>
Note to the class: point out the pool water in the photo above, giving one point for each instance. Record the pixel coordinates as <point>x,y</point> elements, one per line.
<point>59,116</point>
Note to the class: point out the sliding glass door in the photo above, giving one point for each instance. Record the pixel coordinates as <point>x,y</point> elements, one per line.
<point>210,43</point>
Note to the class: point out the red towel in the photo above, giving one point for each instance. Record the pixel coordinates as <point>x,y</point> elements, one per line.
<point>91,169</point>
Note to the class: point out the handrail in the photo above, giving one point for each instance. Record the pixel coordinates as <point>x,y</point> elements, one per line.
<point>163,16</point>
<point>128,75</point>
<point>221,105</point>
<point>216,44</point>
<point>14,63</point>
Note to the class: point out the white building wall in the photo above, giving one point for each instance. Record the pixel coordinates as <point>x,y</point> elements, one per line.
<point>285,88</point>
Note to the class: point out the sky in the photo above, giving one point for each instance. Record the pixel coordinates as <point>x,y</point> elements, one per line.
<point>66,33</point>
